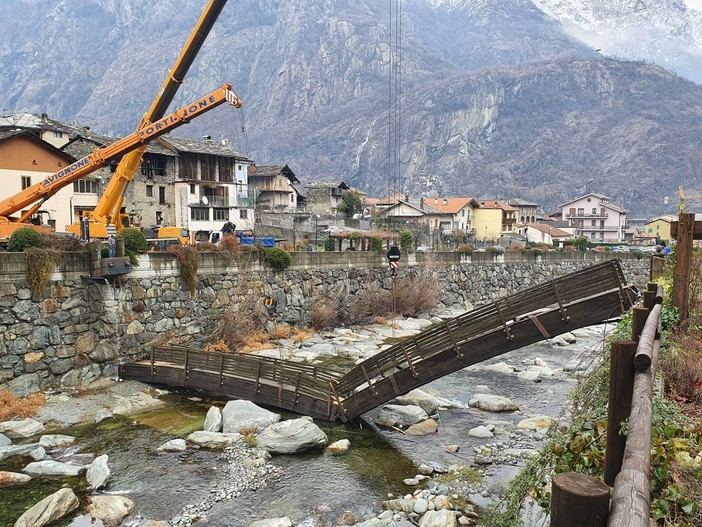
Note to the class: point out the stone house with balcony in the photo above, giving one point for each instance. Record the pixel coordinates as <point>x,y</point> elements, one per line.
<point>526,210</point>
<point>596,218</point>
<point>324,197</point>
<point>446,215</point>
<point>274,188</point>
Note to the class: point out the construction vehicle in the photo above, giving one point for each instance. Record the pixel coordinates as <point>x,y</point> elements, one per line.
<point>167,232</point>
<point>28,201</point>
<point>106,217</point>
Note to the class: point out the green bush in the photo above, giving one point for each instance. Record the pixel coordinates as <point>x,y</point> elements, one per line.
<point>24,238</point>
<point>276,258</point>
<point>134,242</point>
<point>406,241</point>
<point>377,244</point>
<point>329,244</point>
<point>355,239</point>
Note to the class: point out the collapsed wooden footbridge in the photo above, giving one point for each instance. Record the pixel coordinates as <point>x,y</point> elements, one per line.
<point>585,297</point>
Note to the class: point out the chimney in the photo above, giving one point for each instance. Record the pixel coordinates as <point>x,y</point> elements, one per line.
<point>44,118</point>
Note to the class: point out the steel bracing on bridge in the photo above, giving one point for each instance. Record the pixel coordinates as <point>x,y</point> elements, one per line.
<point>582,298</point>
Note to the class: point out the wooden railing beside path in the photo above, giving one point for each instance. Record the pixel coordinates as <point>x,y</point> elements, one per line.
<point>585,297</point>
<point>578,500</point>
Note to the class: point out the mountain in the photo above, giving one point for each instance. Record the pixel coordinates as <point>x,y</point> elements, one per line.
<point>499,98</point>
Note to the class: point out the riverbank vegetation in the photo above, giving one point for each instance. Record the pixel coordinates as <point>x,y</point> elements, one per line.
<point>676,454</point>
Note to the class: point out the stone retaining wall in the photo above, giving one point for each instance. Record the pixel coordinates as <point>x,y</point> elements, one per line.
<point>82,329</point>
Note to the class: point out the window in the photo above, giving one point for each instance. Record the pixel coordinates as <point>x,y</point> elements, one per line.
<point>243,214</point>
<point>200,214</point>
<point>192,189</point>
<point>594,223</point>
<point>581,212</point>
<point>159,217</point>
<point>58,135</point>
<point>85,186</point>
<point>220,214</point>
<point>149,191</point>
<point>26,182</point>
<point>153,165</point>
<point>594,211</point>
<point>161,195</point>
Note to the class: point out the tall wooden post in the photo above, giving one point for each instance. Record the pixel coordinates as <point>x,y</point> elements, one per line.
<point>621,387</point>
<point>683,259</point>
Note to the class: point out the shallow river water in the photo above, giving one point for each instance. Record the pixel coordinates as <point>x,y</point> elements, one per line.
<point>313,489</point>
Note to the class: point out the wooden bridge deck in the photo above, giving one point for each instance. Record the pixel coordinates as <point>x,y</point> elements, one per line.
<point>585,297</point>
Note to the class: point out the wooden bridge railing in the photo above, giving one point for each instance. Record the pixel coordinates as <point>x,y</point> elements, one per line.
<point>580,501</point>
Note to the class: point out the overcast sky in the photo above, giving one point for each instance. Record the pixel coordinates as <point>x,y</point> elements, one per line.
<point>695,4</point>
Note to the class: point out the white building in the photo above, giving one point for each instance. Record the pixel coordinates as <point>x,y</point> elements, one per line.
<point>595,218</point>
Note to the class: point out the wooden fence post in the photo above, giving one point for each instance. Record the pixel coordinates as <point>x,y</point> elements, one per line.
<point>578,500</point>
<point>683,258</point>
<point>638,321</point>
<point>621,386</point>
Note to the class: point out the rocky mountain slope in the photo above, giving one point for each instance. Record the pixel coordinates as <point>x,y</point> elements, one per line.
<point>498,97</point>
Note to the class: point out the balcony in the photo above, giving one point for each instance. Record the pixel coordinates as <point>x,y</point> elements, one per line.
<point>585,215</point>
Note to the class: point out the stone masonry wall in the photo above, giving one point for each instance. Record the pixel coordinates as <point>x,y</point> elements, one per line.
<point>82,329</point>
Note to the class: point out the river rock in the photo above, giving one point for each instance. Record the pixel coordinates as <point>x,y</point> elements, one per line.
<point>174,445</point>
<point>214,440</point>
<point>21,428</point>
<point>38,453</point>
<point>339,447</point>
<point>540,423</point>
<point>17,450</point>
<point>13,478</point>
<point>399,505</point>
<point>239,415</point>
<point>97,473</point>
<point>213,420</point>
<point>529,375</point>
<point>400,415</point>
<point>110,510</point>
<point>50,509</point>
<point>440,518</point>
<point>49,467</point>
<point>154,523</point>
<point>291,436</point>
<point>492,403</point>
<point>56,441</point>
<point>139,402</point>
<point>377,522</point>
<point>425,401</point>
<point>425,428</point>
<point>273,522</point>
<point>500,367</point>
<point>4,440</point>
<point>480,432</point>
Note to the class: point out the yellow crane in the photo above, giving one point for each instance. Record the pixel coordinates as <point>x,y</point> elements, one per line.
<point>683,197</point>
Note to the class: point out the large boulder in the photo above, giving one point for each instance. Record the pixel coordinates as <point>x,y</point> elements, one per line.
<point>442,518</point>
<point>56,440</point>
<point>213,420</point>
<point>243,415</point>
<point>110,510</point>
<point>492,403</point>
<point>49,467</point>
<point>21,428</point>
<point>425,401</point>
<point>98,472</point>
<point>13,478</point>
<point>17,450</point>
<point>49,509</point>
<point>214,440</point>
<point>291,436</point>
<point>400,415</point>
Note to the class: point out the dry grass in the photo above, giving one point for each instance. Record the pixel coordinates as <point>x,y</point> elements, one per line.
<point>12,406</point>
<point>683,367</point>
<point>280,331</point>
<point>323,312</point>
<point>248,434</point>
<point>218,345</point>
<point>301,334</point>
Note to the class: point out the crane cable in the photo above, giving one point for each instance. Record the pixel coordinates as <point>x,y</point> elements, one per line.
<point>394,98</point>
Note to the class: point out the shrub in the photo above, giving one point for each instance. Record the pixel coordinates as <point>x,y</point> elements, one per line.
<point>276,258</point>
<point>188,263</point>
<point>40,264</point>
<point>230,244</point>
<point>355,239</point>
<point>377,244</point>
<point>406,241</point>
<point>24,238</point>
<point>134,242</point>
<point>329,244</point>
<point>206,246</point>
<point>466,249</point>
